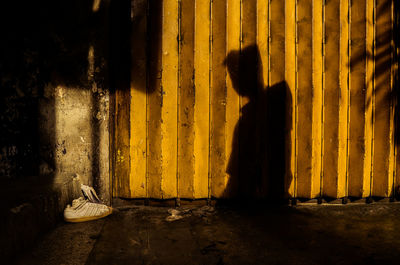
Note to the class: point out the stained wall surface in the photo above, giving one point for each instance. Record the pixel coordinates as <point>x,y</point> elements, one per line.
<point>54,92</point>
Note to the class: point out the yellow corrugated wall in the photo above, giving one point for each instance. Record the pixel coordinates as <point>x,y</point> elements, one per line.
<point>258,98</point>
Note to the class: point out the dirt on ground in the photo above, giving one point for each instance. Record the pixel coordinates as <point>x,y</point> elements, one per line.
<point>315,234</point>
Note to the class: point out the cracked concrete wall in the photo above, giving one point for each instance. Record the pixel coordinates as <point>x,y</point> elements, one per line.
<point>54,92</point>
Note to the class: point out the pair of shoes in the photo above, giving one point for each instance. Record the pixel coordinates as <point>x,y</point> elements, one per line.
<point>83,210</point>
<point>86,208</point>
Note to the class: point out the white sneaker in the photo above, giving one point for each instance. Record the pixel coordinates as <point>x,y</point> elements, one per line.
<point>82,210</point>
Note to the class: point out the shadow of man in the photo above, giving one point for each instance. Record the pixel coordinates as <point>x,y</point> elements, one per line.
<point>260,158</point>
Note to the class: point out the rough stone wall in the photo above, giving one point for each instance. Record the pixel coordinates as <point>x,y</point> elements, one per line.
<point>54,96</point>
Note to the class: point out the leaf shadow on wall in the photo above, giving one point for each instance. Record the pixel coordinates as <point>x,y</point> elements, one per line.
<point>383,96</point>
<point>259,165</point>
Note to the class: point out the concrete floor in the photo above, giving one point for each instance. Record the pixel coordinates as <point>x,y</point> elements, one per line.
<point>332,234</point>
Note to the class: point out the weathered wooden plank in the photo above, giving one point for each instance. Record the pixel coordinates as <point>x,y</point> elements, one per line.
<point>121,185</point>
<point>248,38</point>
<point>343,100</point>
<point>392,128</point>
<point>186,155</point>
<point>263,39</point>
<point>396,93</point>
<point>369,83</point>
<point>154,100</point>
<point>285,70</point>
<point>250,148</point>
<point>277,40</point>
<point>382,179</point>
<point>232,97</point>
<point>304,100</point>
<point>263,78</point>
<point>169,88</point>
<point>332,97</point>
<point>120,61</point>
<point>357,143</point>
<point>138,113</point>
<point>202,97</point>
<point>218,99</point>
<point>317,67</point>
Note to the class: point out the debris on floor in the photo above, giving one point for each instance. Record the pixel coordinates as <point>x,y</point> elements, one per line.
<point>176,214</point>
<point>204,211</point>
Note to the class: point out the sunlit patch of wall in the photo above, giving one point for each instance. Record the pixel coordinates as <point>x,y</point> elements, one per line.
<point>73,133</point>
<point>96,5</point>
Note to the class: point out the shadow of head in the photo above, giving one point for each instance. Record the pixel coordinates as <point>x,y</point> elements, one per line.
<point>245,70</point>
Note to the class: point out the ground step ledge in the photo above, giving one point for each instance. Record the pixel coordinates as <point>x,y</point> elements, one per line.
<point>38,209</point>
